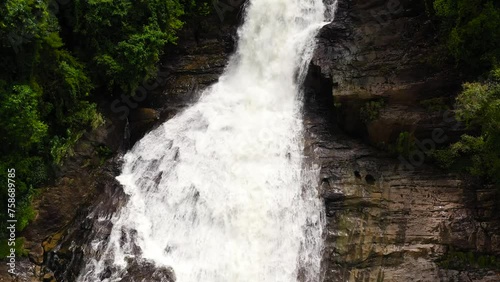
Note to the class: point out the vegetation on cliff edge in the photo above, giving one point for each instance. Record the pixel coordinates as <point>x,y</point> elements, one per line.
<point>57,56</point>
<point>478,107</point>
<point>472,35</point>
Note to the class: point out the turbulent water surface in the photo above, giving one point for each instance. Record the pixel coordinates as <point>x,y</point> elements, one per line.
<point>221,192</point>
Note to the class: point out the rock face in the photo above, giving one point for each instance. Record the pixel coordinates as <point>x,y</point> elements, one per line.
<point>385,51</point>
<point>392,219</point>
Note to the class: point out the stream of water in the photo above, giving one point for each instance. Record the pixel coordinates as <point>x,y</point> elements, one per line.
<point>222,192</point>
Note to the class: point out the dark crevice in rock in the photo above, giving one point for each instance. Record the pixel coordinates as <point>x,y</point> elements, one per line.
<point>370,179</point>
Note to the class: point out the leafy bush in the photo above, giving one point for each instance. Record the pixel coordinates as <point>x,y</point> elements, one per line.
<point>478,106</point>
<point>405,144</point>
<point>43,94</point>
<point>435,104</point>
<point>371,110</point>
<point>460,260</point>
<point>20,250</point>
<point>472,31</point>
<point>124,39</point>
<point>30,172</point>
<point>20,122</point>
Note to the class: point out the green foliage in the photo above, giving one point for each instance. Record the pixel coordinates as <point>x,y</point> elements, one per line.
<point>43,92</point>
<point>371,110</point>
<point>20,250</point>
<point>195,9</point>
<point>468,260</point>
<point>405,144</point>
<point>435,104</point>
<point>30,172</point>
<point>22,21</point>
<point>104,152</point>
<point>20,123</point>
<point>472,28</point>
<point>478,106</point>
<point>124,39</point>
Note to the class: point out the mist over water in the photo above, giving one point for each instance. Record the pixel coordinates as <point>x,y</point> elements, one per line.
<point>221,192</point>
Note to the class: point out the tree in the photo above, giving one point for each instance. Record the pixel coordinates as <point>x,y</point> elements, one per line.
<point>124,39</point>
<point>478,106</point>
<point>21,126</point>
<point>472,28</point>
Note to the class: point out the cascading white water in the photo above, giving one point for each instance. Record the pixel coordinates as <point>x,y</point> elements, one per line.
<point>221,192</point>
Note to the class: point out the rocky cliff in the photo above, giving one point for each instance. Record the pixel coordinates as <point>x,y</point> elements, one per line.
<point>390,218</point>
<point>377,72</point>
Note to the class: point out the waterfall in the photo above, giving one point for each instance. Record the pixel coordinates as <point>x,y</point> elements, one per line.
<point>222,192</point>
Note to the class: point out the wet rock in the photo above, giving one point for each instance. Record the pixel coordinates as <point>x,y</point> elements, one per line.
<point>52,242</point>
<point>35,252</point>
<point>143,270</point>
<point>141,121</point>
<point>143,114</point>
<point>49,277</point>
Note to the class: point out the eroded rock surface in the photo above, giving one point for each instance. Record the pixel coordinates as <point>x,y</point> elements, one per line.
<point>385,51</point>
<point>387,219</point>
